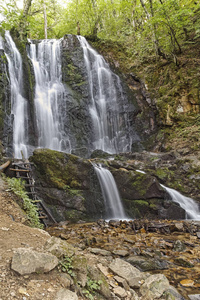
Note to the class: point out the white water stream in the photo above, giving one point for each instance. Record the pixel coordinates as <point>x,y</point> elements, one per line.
<point>112,200</point>
<point>104,109</point>
<point>18,102</point>
<point>188,204</point>
<point>49,95</point>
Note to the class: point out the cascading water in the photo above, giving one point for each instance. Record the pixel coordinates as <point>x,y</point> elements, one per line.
<point>112,200</point>
<point>105,88</point>
<point>49,95</point>
<point>189,205</point>
<point>18,102</point>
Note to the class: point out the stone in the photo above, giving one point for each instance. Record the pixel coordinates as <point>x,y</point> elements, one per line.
<point>65,280</point>
<point>59,247</point>
<point>179,246</point>
<point>27,261</point>
<point>120,292</point>
<point>156,287</point>
<point>95,274</point>
<point>180,261</point>
<point>147,264</point>
<point>65,294</point>
<point>79,266</point>
<point>187,282</point>
<point>198,235</point>
<point>125,270</point>
<point>99,251</point>
<point>122,282</point>
<point>103,269</point>
<point>194,297</point>
<point>121,252</point>
<point>134,295</point>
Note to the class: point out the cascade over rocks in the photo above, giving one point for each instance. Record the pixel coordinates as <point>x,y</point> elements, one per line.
<point>76,133</point>
<point>69,185</point>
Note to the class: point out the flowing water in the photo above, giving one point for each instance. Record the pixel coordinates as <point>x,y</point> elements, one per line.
<point>112,200</point>
<point>189,205</point>
<point>18,102</point>
<point>105,89</point>
<point>49,95</point>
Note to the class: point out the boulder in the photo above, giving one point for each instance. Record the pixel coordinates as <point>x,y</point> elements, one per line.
<point>59,247</point>
<point>147,264</point>
<point>125,270</point>
<point>158,287</point>
<point>27,261</point>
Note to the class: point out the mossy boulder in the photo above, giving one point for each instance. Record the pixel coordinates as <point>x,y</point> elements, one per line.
<point>68,185</point>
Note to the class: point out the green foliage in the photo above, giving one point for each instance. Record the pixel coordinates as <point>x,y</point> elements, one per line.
<point>17,187</point>
<point>65,265</point>
<point>92,286</point>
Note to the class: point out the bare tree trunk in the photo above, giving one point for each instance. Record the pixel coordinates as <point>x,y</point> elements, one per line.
<point>173,35</point>
<point>27,5</point>
<point>45,20</point>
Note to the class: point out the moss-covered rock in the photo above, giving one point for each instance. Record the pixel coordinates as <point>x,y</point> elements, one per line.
<point>68,185</point>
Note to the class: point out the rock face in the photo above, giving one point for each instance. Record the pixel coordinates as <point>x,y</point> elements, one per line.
<point>76,107</point>
<point>69,186</point>
<point>27,261</point>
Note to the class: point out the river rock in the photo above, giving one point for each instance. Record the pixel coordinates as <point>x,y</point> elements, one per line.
<point>99,251</point>
<point>125,270</point>
<point>27,261</point>
<point>179,246</point>
<point>147,264</point>
<point>64,294</point>
<point>158,287</point>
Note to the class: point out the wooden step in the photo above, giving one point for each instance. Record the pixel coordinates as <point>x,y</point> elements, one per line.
<point>22,163</point>
<point>19,170</point>
<point>23,177</point>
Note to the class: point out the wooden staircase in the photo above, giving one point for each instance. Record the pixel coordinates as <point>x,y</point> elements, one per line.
<point>23,170</point>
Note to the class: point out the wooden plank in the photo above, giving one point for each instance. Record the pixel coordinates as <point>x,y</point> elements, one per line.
<point>19,170</point>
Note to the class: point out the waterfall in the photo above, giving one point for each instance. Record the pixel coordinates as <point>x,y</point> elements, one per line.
<point>49,95</point>
<point>112,200</point>
<point>107,117</point>
<point>18,102</point>
<point>189,205</point>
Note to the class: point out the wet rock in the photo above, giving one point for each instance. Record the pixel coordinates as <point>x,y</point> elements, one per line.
<point>183,262</point>
<point>99,251</point>
<point>179,246</point>
<point>59,247</point>
<point>65,294</point>
<point>125,270</point>
<point>27,261</point>
<point>147,264</point>
<point>198,235</point>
